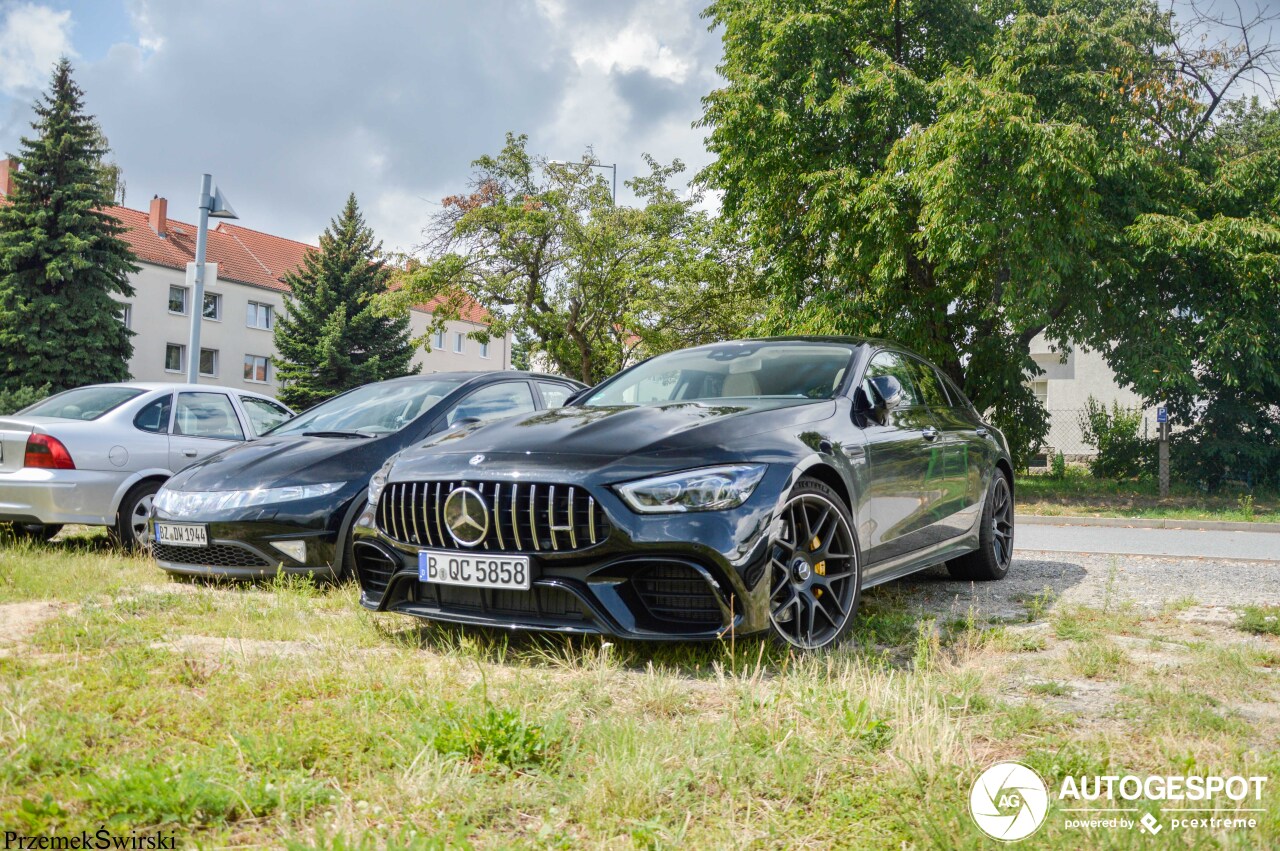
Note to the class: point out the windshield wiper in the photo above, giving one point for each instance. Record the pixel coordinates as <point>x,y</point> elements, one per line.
<point>336,433</point>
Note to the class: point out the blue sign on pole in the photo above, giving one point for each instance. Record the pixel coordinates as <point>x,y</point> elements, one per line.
<point>1162,415</point>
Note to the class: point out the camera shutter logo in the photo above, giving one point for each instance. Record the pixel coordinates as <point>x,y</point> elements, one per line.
<point>466,516</point>
<point>1009,801</point>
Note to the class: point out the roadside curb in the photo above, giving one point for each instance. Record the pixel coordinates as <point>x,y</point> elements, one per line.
<point>1145,523</point>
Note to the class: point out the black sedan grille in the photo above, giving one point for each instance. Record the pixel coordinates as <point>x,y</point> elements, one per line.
<point>676,593</point>
<point>374,570</point>
<point>522,516</point>
<point>538,602</point>
<point>214,555</point>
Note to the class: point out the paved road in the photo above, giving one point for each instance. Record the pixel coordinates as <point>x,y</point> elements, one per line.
<point>1257,546</point>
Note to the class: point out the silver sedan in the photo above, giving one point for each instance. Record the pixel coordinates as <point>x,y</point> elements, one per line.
<point>96,455</point>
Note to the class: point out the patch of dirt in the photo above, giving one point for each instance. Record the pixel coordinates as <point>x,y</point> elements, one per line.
<point>19,621</point>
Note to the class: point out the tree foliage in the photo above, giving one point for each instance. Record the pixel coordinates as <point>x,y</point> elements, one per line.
<point>62,257</point>
<point>593,285</point>
<point>964,176</point>
<point>331,338</point>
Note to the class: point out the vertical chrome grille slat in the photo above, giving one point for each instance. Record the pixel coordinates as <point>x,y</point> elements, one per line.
<point>440,533</point>
<point>533,517</point>
<point>497,516</point>
<point>515,522</point>
<point>591,517</point>
<point>573,525</point>
<point>551,517</point>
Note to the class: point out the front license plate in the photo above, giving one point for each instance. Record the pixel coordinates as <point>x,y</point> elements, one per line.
<point>182,534</point>
<point>474,570</point>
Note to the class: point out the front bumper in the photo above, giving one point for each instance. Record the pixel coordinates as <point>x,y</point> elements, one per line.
<point>681,577</point>
<point>36,495</point>
<point>241,549</point>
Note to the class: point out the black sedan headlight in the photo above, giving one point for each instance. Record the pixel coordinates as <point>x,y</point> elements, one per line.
<point>703,489</point>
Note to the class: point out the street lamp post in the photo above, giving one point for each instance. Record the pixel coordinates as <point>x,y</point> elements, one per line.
<point>211,204</point>
<point>611,166</point>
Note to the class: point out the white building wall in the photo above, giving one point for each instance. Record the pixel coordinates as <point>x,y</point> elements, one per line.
<point>154,327</point>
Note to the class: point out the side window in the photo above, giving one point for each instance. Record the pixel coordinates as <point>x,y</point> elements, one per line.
<point>494,402</point>
<point>927,383</point>
<point>554,395</point>
<point>264,414</point>
<point>206,415</point>
<point>891,363</point>
<point>155,416</point>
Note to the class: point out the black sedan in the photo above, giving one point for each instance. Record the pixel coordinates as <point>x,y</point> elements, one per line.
<point>287,501</point>
<point>745,486</point>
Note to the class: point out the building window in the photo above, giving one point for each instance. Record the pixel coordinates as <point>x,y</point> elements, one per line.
<point>175,358</point>
<point>255,368</point>
<point>260,315</point>
<point>213,307</point>
<point>178,300</point>
<point>457,342</point>
<point>209,362</point>
<point>126,316</point>
<point>1041,389</point>
<point>438,343</point>
<point>484,350</point>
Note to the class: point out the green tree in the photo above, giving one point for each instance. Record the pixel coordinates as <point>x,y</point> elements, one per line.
<point>61,255</point>
<point>589,284</point>
<point>330,338</point>
<point>963,176</point>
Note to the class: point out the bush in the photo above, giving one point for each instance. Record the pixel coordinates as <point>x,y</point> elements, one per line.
<point>15,400</point>
<point>1114,432</point>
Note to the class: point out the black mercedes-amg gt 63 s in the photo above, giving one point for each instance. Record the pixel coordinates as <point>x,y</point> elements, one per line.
<point>744,486</point>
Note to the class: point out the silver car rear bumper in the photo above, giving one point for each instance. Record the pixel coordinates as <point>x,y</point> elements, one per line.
<point>35,495</point>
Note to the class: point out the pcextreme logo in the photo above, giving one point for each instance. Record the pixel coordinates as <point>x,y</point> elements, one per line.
<point>1009,801</point>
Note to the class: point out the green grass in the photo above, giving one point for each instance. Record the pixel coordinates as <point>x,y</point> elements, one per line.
<point>1079,494</point>
<point>1261,620</point>
<point>281,714</point>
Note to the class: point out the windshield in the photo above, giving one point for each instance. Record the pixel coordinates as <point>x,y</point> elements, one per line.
<point>83,403</point>
<point>373,409</point>
<point>734,370</point>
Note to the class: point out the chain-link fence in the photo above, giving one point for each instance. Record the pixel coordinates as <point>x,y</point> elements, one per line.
<point>1066,435</point>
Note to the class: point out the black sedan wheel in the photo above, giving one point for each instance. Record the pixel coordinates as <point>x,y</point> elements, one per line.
<point>814,566</point>
<point>995,538</point>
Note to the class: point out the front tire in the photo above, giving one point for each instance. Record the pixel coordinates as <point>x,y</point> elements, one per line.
<point>130,530</point>
<point>995,537</point>
<point>815,572</point>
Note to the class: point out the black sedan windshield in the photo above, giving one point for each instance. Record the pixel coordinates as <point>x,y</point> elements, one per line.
<point>371,410</point>
<point>790,369</point>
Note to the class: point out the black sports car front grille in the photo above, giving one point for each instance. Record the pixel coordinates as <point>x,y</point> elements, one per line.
<point>214,555</point>
<point>538,602</point>
<point>677,593</point>
<point>521,517</point>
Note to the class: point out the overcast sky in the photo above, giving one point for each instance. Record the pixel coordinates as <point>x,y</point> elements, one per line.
<point>293,105</point>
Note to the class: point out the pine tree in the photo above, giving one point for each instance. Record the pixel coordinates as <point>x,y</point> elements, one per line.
<point>61,254</point>
<point>331,339</point>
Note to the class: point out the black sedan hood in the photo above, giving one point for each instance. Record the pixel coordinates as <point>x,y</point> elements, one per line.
<point>285,460</point>
<point>627,430</point>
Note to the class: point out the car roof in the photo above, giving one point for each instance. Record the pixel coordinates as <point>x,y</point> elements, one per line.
<point>174,385</point>
<point>472,375</point>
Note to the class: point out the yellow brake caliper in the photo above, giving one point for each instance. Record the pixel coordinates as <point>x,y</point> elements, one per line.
<point>820,567</point>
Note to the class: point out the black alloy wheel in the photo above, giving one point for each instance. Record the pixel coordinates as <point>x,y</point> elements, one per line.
<point>815,574</point>
<point>995,537</point>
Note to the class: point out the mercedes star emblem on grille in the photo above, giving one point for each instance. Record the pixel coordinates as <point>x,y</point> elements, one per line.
<point>466,516</point>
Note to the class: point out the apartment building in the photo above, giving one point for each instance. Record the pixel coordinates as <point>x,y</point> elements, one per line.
<point>241,307</point>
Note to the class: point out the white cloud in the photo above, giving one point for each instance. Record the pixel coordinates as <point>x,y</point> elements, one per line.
<point>32,38</point>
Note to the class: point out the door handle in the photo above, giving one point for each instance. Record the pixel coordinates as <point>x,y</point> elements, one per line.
<point>190,453</point>
<point>930,433</point>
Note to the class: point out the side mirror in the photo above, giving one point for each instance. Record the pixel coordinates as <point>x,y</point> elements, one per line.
<point>887,391</point>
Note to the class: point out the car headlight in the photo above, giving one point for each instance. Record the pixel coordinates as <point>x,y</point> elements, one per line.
<point>379,480</point>
<point>704,489</point>
<point>195,502</point>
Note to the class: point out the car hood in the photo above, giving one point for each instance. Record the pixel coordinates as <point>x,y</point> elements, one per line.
<point>625,430</point>
<point>286,460</point>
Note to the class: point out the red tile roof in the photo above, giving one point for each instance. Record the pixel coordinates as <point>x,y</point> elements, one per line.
<point>243,255</point>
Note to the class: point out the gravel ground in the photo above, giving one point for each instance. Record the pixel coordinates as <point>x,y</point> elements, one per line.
<point>1150,582</point>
